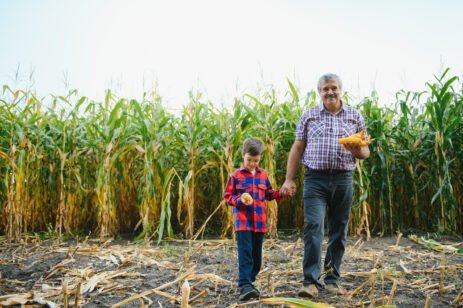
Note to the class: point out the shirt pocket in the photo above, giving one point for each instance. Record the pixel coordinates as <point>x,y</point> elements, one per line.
<point>349,127</point>
<point>242,186</point>
<point>316,129</point>
<point>261,189</point>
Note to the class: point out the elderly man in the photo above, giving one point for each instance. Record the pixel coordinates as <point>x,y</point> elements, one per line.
<point>327,181</point>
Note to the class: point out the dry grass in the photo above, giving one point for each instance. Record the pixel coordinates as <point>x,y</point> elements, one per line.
<point>92,272</point>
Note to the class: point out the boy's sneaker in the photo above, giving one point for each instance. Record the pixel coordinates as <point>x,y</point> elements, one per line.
<point>257,290</point>
<point>247,292</point>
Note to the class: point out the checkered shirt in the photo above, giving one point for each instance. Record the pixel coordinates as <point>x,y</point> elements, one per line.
<point>321,131</point>
<point>250,217</point>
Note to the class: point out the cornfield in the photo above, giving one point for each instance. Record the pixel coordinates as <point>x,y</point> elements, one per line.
<point>71,165</point>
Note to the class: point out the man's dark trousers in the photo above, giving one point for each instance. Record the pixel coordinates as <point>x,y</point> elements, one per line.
<point>329,191</point>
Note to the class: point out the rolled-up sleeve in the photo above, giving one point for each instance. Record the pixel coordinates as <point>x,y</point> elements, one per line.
<point>301,129</point>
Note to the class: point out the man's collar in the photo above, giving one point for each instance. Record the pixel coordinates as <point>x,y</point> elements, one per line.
<point>321,108</point>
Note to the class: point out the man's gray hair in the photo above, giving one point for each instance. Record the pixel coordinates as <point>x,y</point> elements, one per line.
<point>326,77</point>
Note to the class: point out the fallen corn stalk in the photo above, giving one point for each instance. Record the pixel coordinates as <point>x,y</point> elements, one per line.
<point>294,302</point>
<point>134,297</point>
<point>434,245</point>
<point>23,299</point>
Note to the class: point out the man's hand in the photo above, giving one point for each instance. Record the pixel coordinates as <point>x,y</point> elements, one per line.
<point>288,188</point>
<point>352,148</point>
<point>360,152</point>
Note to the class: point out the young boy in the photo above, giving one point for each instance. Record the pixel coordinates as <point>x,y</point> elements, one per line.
<point>249,214</point>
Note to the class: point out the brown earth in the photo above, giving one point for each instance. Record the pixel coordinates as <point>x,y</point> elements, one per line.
<point>375,273</point>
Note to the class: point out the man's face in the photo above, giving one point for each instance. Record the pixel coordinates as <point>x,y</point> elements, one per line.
<point>331,94</point>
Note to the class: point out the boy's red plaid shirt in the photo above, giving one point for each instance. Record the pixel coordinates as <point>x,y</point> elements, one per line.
<point>250,217</point>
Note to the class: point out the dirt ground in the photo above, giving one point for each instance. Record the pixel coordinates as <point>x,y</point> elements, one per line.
<point>383,271</point>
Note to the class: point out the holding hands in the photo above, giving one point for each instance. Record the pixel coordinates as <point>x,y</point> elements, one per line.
<point>288,189</point>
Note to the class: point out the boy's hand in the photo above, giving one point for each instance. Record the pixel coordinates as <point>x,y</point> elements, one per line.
<point>246,199</point>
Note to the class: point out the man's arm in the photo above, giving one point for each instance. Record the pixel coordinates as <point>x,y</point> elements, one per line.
<point>289,186</point>
<point>360,152</point>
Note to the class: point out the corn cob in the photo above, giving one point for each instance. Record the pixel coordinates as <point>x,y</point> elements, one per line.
<point>356,139</point>
<point>246,198</point>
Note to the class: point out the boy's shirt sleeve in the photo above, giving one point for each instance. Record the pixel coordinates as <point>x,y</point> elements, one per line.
<point>271,194</point>
<point>231,196</point>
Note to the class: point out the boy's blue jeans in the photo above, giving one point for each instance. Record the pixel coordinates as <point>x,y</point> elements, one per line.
<point>331,192</point>
<point>249,255</point>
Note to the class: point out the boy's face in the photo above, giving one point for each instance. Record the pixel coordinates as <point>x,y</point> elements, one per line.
<point>250,161</point>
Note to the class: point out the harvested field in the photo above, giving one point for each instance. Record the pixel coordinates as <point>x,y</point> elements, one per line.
<point>383,271</point>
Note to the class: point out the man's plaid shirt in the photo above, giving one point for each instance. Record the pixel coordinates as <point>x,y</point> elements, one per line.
<point>250,217</point>
<point>321,131</point>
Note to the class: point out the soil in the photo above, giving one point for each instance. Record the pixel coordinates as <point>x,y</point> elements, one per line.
<point>375,273</point>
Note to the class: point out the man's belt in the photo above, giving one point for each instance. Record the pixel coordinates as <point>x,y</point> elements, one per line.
<point>326,171</point>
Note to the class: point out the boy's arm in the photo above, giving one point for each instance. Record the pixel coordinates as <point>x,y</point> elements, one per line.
<point>231,197</point>
<point>271,194</point>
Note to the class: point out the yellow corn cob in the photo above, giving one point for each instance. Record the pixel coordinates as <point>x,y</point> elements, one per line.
<point>246,198</point>
<point>356,139</point>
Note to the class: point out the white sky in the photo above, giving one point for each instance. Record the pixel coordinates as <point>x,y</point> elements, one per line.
<point>225,48</point>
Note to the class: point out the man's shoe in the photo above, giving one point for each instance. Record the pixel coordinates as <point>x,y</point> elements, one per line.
<point>335,289</point>
<point>247,292</point>
<point>308,291</point>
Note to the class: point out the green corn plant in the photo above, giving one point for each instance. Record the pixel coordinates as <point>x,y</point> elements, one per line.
<point>153,134</point>
<point>192,140</point>
<point>224,146</point>
<point>66,137</point>
<point>378,125</point>
<point>148,147</point>
<point>443,109</point>
<point>20,113</point>
<point>406,140</point>
<point>108,128</point>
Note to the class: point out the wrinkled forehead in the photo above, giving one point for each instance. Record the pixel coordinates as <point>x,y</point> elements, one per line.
<point>331,84</point>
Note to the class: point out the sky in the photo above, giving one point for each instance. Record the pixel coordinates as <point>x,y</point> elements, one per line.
<point>227,48</point>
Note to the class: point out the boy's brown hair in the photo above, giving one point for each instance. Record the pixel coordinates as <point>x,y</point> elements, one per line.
<point>253,146</point>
